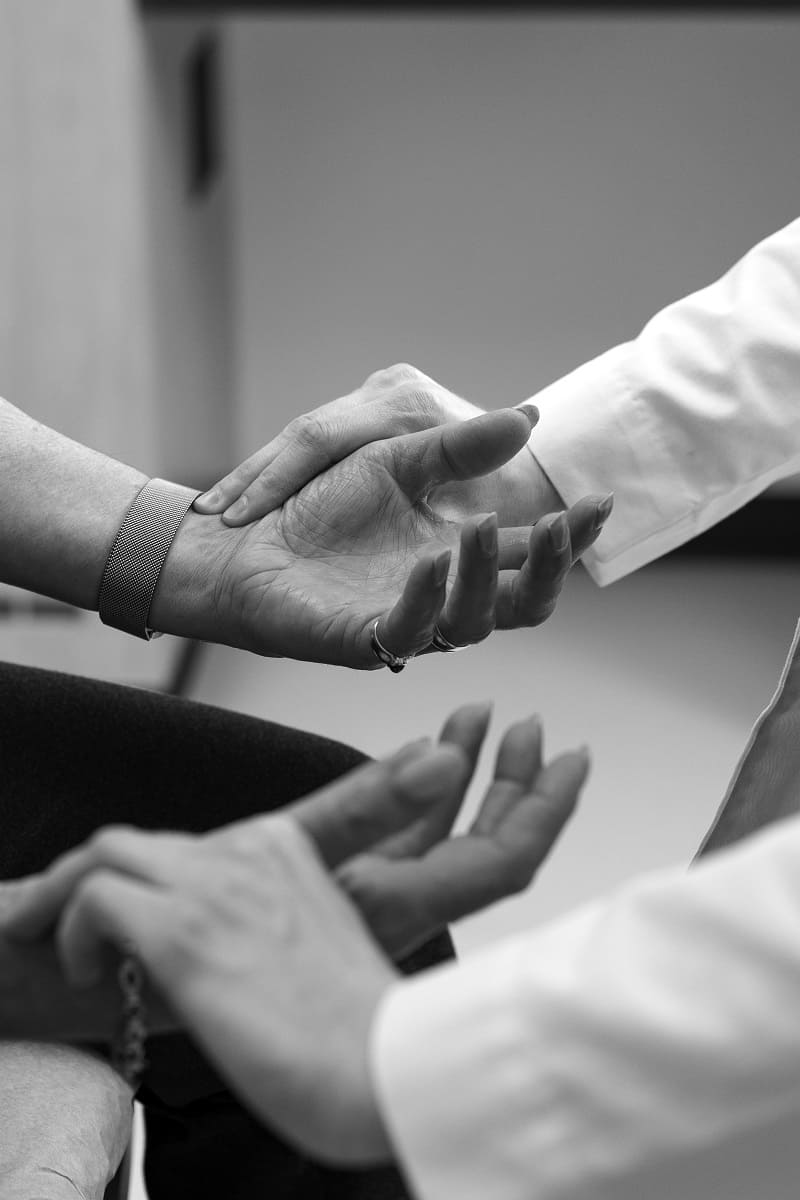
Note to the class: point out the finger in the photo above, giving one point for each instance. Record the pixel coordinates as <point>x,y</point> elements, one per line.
<point>347,820</point>
<point>529,828</point>
<point>408,627</point>
<point>466,730</point>
<point>517,766</point>
<point>316,447</point>
<point>529,596</point>
<point>468,615</point>
<point>107,913</point>
<point>462,450</point>
<point>39,900</point>
<point>230,487</point>
<point>462,875</point>
<point>585,518</point>
<point>586,521</point>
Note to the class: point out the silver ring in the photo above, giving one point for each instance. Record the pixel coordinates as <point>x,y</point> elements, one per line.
<point>440,642</point>
<point>394,662</point>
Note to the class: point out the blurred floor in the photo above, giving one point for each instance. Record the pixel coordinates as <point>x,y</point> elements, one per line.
<point>661,674</point>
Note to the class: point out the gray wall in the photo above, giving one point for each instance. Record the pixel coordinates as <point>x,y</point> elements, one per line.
<point>495,200</point>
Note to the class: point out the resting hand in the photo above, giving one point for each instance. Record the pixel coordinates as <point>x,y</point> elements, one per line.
<point>391,402</point>
<point>260,953</point>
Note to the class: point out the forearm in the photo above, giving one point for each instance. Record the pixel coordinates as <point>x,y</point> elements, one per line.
<point>690,420</point>
<point>62,505</point>
<point>645,1045</point>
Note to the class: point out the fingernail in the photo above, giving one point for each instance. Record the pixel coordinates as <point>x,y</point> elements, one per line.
<point>236,510</point>
<point>420,779</point>
<point>487,535</point>
<point>212,497</point>
<point>531,412</point>
<point>410,752</point>
<point>441,567</point>
<point>604,510</point>
<point>558,532</point>
<point>585,753</point>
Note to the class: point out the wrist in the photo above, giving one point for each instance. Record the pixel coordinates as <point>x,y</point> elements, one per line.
<point>192,596</point>
<point>530,493</point>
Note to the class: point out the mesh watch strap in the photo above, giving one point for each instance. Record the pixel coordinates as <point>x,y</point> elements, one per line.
<point>137,556</point>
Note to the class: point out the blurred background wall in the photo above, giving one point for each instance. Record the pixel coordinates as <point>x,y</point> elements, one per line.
<point>495,199</point>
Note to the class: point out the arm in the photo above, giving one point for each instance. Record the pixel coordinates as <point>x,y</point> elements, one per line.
<point>310,580</point>
<point>63,504</point>
<point>689,421</point>
<point>646,1046</point>
<point>686,423</point>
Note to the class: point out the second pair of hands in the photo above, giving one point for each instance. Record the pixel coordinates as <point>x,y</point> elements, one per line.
<point>272,940</point>
<point>400,502</point>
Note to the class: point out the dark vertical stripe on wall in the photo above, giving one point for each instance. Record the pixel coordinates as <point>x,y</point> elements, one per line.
<point>202,113</point>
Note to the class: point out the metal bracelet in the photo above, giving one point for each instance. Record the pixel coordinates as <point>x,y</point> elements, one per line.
<point>128,1047</point>
<point>138,553</point>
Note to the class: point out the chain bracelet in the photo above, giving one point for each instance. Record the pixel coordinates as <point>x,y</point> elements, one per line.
<point>128,1047</point>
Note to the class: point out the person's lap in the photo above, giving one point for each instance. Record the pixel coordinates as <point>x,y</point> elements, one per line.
<point>78,754</point>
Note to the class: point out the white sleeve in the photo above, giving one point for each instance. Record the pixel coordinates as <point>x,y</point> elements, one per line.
<point>689,421</point>
<point>645,1047</point>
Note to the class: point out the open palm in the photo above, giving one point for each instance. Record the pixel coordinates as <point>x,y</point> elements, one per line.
<point>360,542</point>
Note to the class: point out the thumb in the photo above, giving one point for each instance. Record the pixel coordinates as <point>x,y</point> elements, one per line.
<point>463,450</point>
<point>378,800</point>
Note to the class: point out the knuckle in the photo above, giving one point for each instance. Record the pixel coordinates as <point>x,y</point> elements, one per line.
<point>187,933</point>
<point>391,377</point>
<point>418,401</point>
<point>311,429</point>
<point>90,892</point>
<point>109,840</point>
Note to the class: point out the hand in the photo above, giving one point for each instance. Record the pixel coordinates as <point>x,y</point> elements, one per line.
<point>309,580</point>
<point>264,958</point>
<point>392,402</point>
<point>36,1001</point>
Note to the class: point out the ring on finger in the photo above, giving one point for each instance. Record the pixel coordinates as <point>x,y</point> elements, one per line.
<point>440,642</point>
<point>395,662</point>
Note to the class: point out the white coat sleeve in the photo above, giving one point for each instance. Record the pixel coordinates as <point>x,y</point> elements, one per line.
<point>647,1046</point>
<point>692,419</point>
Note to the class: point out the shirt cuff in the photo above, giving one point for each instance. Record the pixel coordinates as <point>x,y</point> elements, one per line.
<point>462,1089</point>
<point>594,435</point>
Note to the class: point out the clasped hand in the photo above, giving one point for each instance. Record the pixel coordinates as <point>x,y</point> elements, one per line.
<point>256,935</point>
